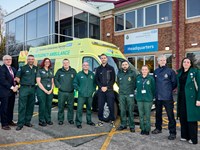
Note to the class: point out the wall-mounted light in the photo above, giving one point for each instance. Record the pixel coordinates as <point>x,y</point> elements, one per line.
<point>107,34</point>
<point>194,44</point>
<point>167,48</point>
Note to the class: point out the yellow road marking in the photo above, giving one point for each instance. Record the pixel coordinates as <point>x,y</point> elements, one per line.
<point>51,140</point>
<point>110,135</point>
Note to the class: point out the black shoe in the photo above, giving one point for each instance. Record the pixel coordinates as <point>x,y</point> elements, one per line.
<point>50,123</point>
<point>146,132</point>
<point>43,124</point>
<point>156,131</point>
<point>121,128</point>
<point>6,128</point>
<point>142,132</point>
<point>132,129</point>
<point>91,124</point>
<point>60,123</point>
<point>12,123</point>
<point>79,126</point>
<point>172,137</point>
<point>28,124</point>
<point>19,128</point>
<point>71,122</point>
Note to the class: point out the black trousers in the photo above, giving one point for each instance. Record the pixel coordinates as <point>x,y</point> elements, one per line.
<point>189,130</point>
<point>169,106</point>
<point>6,109</point>
<point>108,97</point>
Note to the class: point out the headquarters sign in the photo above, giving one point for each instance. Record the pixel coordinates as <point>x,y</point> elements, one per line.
<point>146,41</point>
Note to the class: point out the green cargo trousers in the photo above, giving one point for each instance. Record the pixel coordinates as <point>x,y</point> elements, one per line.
<point>79,112</point>
<point>45,105</point>
<point>126,103</point>
<point>145,115</point>
<point>62,98</point>
<point>26,104</point>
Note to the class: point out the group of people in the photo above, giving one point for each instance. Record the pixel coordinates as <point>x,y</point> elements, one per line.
<point>143,88</point>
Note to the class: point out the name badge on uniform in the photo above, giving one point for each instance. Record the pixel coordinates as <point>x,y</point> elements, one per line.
<point>81,77</point>
<point>27,71</point>
<point>144,91</point>
<point>43,72</point>
<point>129,78</point>
<point>166,75</point>
<point>72,76</point>
<point>48,85</point>
<point>131,95</point>
<point>62,75</point>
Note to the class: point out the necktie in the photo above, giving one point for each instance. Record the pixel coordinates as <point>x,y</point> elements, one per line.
<point>11,73</point>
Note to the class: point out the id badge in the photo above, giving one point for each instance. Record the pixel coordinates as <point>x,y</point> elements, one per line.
<point>48,85</point>
<point>144,91</point>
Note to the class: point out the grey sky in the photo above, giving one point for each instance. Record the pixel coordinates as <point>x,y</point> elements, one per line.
<point>11,5</point>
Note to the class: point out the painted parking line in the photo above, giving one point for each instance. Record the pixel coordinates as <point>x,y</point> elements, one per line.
<point>110,135</point>
<point>51,140</point>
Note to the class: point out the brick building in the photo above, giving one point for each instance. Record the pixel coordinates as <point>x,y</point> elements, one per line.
<point>144,29</point>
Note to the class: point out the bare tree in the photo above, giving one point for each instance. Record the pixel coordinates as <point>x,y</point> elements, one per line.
<point>2,32</point>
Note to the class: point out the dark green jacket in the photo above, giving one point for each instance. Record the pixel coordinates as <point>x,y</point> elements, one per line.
<point>85,84</point>
<point>46,77</point>
<point>64,79</point>
<point>27,75</point>
<point>149,86</point>
<point>126,82</point>
<point>191,94</point>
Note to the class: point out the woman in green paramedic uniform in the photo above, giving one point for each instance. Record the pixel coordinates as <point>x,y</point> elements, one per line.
<point>45,92</point>
<point>145,89</point>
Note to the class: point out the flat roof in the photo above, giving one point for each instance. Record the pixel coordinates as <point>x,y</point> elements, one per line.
<point>37,3</point>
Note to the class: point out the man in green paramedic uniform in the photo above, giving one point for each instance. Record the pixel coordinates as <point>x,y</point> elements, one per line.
<point>64,82</point>
<point>84,83</point>
<point>26,76</point>
<point>126,80</point>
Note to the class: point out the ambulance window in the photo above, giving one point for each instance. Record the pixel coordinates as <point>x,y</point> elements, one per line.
<point>92,63</point>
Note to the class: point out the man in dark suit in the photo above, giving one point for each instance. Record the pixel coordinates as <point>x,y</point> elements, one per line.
<point>8,89</point>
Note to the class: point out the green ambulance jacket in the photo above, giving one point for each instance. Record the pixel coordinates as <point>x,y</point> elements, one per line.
<point>126,81</point>
<point>146,84</point>
<point>191,94</point>
<point>46,77</point>
<point>27,75</point>
<point>85,84</point>
<point>63,79</point>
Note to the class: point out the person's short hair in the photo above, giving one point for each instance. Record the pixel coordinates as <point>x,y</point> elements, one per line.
<point>125,61</point>
<point>42,63</point>
<point>161,56</point>
<point>65,59</point>
<point>6,56</point>
<point>192,65</point>
<point>145,66</point>
<point>103,55</point>
<point>30,55</point>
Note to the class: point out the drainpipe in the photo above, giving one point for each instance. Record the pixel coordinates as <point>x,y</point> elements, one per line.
<point>177,34</point>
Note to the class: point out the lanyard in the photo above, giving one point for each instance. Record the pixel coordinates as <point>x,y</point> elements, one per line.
<point>144,80</point>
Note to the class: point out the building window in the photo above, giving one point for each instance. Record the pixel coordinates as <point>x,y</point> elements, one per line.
<point>65,19</point>
<point>193,8</point>
<point>94,27</point>
<point>119,22</point>
<point>130,20</point>
<point>195,57</point>
<point>140,17</point>
<point>31,25</point>
<point>80,23</point>
<point>169,60</point>
<point>20,29</point>
<point>165,12</point>
<point>42,21</point>
<point>11,32</point>
<point>151,15</point>
<point>139,61</point>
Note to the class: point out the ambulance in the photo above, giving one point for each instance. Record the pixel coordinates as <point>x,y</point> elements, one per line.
<point>79,51</point>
